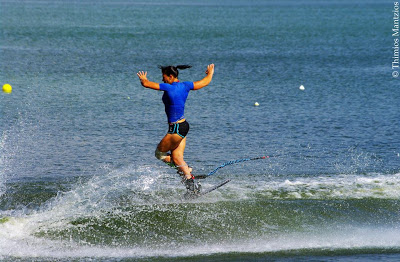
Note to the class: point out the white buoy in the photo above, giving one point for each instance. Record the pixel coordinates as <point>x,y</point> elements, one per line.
<point>256,104</point>
<point>302,87</point>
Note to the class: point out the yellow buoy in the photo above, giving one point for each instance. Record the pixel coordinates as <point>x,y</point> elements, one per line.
<point>7,88</point>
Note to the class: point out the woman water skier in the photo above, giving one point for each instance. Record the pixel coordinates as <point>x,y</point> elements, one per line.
<point>174,98</point>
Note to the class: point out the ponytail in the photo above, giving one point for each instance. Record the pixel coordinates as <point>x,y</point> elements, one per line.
<point>173,70</point>
<point>183,66</point>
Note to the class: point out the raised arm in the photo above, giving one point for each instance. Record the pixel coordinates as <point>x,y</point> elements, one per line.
<point>206,80</point>
<point>146,83</point>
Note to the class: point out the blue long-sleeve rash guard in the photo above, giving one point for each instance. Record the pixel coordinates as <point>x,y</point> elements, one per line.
<point>174,99</point>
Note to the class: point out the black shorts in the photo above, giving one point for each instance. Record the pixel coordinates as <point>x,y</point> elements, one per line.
<point>182,129</point>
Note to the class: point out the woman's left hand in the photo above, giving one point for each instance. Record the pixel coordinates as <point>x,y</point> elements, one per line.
<point>142,75</point>
<point>146,83</point>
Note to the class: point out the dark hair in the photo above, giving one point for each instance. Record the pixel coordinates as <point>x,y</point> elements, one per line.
<point>173,70</point>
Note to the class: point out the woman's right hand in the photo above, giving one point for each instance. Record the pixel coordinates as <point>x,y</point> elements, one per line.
<point>210,69</point>
<point>206,80</point>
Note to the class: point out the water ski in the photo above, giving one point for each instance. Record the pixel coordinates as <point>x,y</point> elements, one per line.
<point>189,195</point>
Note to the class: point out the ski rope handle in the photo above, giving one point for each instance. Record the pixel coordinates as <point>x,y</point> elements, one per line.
<point>234,162</point>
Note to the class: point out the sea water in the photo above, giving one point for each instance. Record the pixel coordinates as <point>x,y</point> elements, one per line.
<point>78,176</point>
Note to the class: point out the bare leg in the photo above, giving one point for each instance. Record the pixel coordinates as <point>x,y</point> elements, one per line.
<point>177,157</point>
<point>176,144</point>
